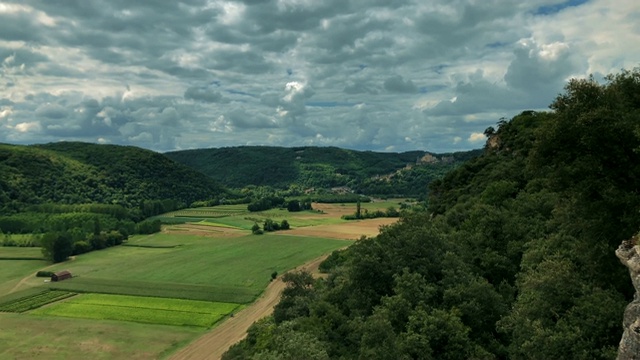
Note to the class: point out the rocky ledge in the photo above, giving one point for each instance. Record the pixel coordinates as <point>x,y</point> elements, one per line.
<point>629,253</point>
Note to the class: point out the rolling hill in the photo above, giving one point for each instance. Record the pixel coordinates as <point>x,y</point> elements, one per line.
<point>73,173</point>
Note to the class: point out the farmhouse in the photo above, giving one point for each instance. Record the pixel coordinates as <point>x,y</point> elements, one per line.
<point>61,275</point>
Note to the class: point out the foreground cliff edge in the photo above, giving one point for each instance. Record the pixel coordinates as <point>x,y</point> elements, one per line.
<point>629,253</point>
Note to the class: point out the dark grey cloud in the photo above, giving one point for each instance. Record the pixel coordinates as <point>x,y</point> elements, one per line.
<point>366,74</point>
<point>398,84</point>
<point>206,94</point>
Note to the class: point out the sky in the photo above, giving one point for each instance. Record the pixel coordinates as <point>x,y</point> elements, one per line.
<point>381,75</point>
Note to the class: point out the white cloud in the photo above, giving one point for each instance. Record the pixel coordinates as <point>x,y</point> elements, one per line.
<point>27,127</point>
<point>476,138</point>
<point>361,74</point>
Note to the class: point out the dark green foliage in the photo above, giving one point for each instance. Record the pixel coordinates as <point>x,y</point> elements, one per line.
<point>255,229</point>
<point>322,168</point>
<point>514,260</point>
<point>56,246</point>
<point>270,225</point>
<point>295,298</point>
<point>335,259</point>
<point>390,212</point>
<point>266,203</point>
<point>296,205</point>
<point>81,247</point>
<point>148,227</point>
<point>284,225</point>
<point>43,273</point>
<point>80,173</point>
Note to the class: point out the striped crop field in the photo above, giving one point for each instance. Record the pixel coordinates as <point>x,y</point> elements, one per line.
<point>35,301</point>
<point>148,310</point>
<point>210,212</point>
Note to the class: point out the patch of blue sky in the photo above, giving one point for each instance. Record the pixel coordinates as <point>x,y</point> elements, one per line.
<point>556,8</point>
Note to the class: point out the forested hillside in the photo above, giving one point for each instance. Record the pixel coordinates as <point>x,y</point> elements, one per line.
<point>322,167</point>
<point>515,258</point>
<point>76,173</point>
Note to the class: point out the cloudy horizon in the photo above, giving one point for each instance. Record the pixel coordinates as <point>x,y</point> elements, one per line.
<point>360,74</point>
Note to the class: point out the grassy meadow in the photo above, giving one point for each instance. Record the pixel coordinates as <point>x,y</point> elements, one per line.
<point>26,336</point>
<point>157,292</point>
<point>242,264</point>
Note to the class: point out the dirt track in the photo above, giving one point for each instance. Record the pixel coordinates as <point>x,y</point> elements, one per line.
<point>216,342</point>
<point>31,276</point>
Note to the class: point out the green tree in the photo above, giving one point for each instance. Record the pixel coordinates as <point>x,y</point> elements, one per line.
<point>56,246</point>
<point>255,229</point>
<point>284,225</point>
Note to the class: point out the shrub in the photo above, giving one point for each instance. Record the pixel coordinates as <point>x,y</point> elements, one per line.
<point>284,225</point>
<point>43,273</point>
<point>255,229</point>
<point>81,247</point>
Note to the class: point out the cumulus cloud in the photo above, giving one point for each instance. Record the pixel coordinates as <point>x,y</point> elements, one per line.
<point>476,138</point>
<point>372,75</point>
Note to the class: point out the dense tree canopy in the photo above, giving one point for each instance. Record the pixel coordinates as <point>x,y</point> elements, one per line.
<point>77,173</point>
<point>366,172</point>
<point>514,259</point>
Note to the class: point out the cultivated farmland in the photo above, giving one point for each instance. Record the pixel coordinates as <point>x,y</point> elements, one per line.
<point>141,309</point>
<point>174,284</point>
<point>34,301</point>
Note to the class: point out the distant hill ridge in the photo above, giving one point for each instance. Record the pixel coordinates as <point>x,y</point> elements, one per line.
<point>312,167</point>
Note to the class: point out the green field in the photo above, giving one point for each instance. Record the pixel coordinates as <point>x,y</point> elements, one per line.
<point>237,216</point>
<point>14,270</point>
<point>34,301</point>
<point>226,265</point>
<point>140,309</point>
<point>150,297</point>
<point>20,253</point>
<point>50,337</point>
<point>232,294</point>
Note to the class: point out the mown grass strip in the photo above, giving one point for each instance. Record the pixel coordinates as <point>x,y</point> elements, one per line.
<point>35,301</point>
<point>236,295</point>
<point>141,309</point>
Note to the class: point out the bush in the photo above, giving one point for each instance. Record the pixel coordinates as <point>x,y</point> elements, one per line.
<point>43,273</point>
<point>255,229</point>
<point>149,227</point>
<point>81,247</point>
<point>284,225</point>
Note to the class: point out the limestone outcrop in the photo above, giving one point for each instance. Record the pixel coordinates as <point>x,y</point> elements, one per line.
<point>629,349</point>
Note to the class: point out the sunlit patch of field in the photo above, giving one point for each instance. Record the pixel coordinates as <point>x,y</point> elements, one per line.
<point>351,230</point>
<point>140,309</point>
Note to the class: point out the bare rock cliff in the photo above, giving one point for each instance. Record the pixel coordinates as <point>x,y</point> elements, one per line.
<point>629,253</point>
